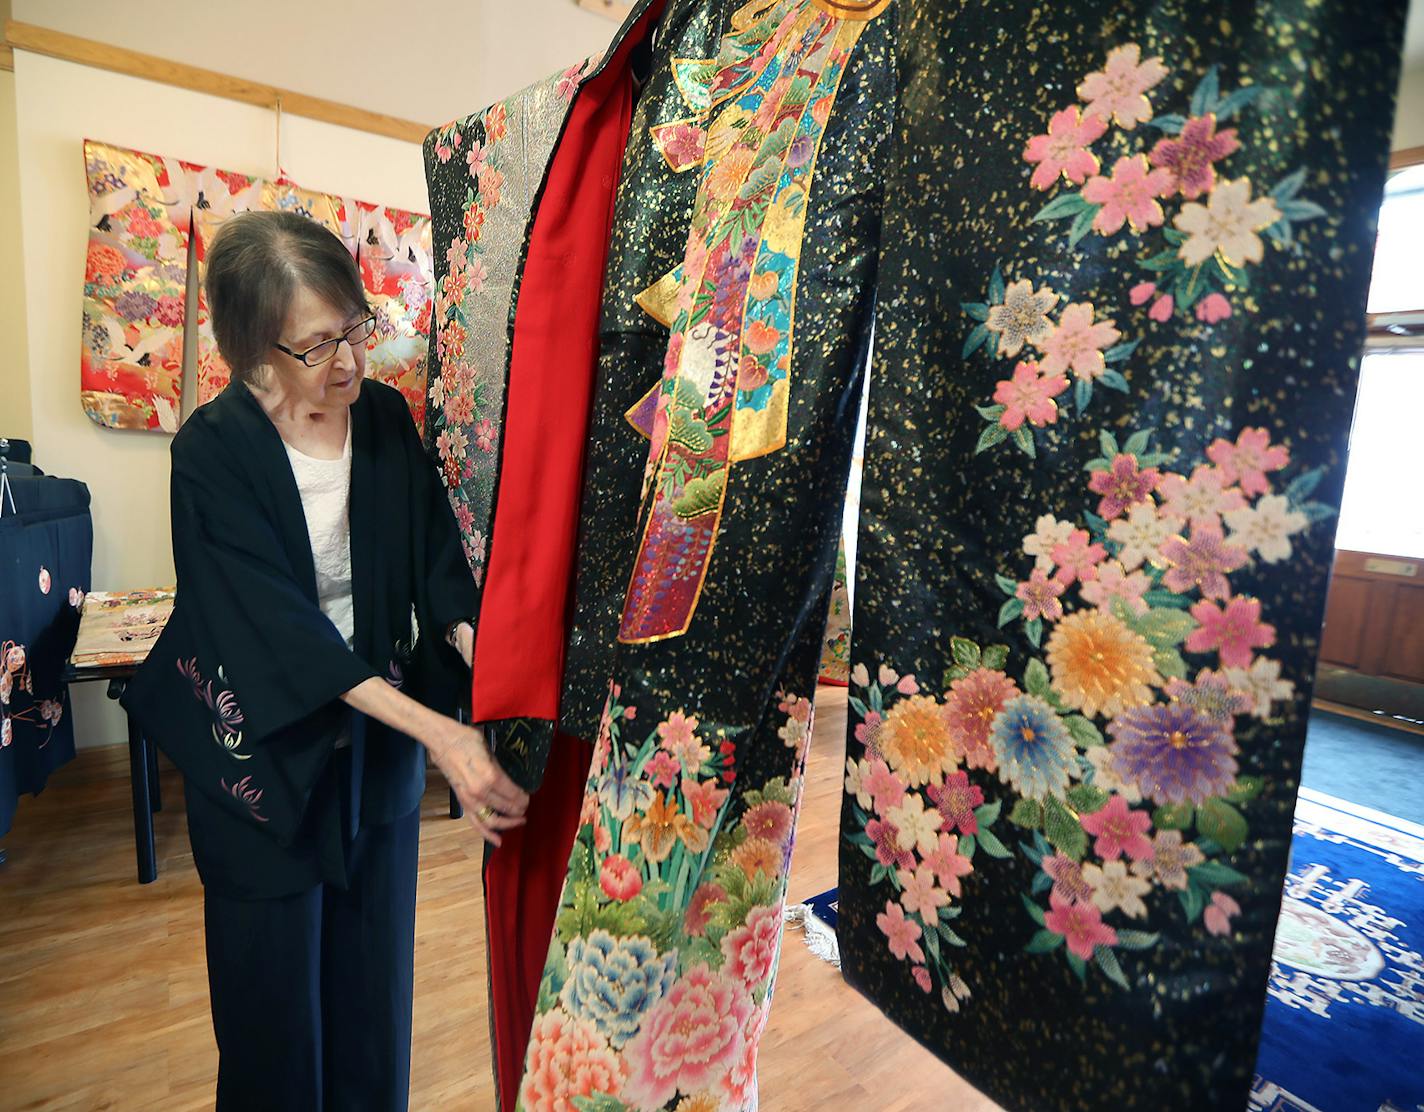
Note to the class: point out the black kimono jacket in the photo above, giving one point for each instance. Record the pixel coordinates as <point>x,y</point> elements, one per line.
<point>243,689</point>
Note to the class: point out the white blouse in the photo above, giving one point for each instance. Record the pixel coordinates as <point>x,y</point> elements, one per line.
<point>325,487</point>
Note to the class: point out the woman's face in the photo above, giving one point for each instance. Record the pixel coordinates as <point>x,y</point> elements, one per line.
<point>337,382</point>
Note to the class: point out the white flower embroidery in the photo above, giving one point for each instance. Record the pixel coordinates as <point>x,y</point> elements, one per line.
<point>1267,527</point>
<point>1141,533</point>
<point>1227,224</point>
<point>1262,683</point>
<point>1048,533</point>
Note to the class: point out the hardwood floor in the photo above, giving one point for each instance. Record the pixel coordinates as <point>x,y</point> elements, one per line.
<point>103,987</point>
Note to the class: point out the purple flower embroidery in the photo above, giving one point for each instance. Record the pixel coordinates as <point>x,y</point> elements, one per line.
<point>1173,753</point>
<point>249,796</point>
<point>222,705</point>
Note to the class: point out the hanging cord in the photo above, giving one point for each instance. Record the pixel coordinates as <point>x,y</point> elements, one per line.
<point>277,152</point>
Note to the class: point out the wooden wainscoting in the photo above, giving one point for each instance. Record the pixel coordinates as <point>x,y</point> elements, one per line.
<point>1374,620</point>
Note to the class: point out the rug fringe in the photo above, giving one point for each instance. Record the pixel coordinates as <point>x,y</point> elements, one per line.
<point>820,939</point>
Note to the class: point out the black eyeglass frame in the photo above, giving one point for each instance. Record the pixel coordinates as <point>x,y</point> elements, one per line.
<point>304,357</point>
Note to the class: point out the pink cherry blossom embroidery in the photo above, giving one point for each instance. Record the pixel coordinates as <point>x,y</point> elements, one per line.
<point>1142,293</point>
<point>1041,595</point>
<point>1203,562</point>
<point>1077,343</point>
<point>901,933</point>
<point>1119,830</point>
<point>1190,158</point>
<point>1128,196</point>
<point>1233,630</point>
<point>1247,461</point>
<point>1203,498</point>
<point>1029,395</point>
<point>1213,308</point>
<point>948,864</point>
<point>1219,913</point>
<point>956,800</point>
<point>1077,558</point>
<point>1123,486</point>
<point>1119,89</point>
<point>1161,310</point>
<point>1064,150</point>
<point>1115,584</point>
<point>1081,924</point>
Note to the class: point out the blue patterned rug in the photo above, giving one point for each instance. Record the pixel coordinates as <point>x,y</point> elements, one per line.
<point>1344,1025</point>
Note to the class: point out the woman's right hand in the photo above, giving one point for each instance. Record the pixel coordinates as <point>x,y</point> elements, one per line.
<point>492,801</point>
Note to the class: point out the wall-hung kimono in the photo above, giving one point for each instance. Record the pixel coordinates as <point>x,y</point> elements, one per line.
<point>1116,257</point>
<point>145,211</point>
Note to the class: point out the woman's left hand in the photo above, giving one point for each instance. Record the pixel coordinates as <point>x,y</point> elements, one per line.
<point>463,638</point>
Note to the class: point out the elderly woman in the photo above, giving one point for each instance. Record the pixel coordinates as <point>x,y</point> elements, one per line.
<point>321,585</point>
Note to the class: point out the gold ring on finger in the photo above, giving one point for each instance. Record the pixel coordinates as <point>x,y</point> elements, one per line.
<point>485,813</point>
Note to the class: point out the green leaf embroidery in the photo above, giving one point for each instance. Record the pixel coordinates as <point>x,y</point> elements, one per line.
<point>992,846</point>
<point>1138,441</point>
<point>1082,394</point>
<point>1061,207</point>
<point>972,343</point>
<point>1205,96</point>
<point>1027,813</point>
<point>976,309</point>
<point>1036,679</point>
<point>1169,662</point>
<point>1023,440</point>
<point>1165,628</point>
<point>1085,735</point>
<point>990,412</point>
<point>1086,798</point>
<point>1063,830</point>
<point>1044,942</point>
<point>1034,632</point>
<point>996,656</point>
<point>1113,380</point>
<point>1192,902</point>
<point>967,845</point>
<point>1246,789</point>
<point>1007,585</point>
<point>1011,609</point>
<point>964,651</point>
<point>1077,964</point>
<point>992,435</point>
<point>1107,961</point>
<point>1136,940</point>
<point>1174,816</point>
<point>1172,123</point>
<point>1109,444</point>
<point>996,285</point>
<point>1216,875</point>
<point>1035,912</point>
<point>1082,225</point>
<point>988,813</point>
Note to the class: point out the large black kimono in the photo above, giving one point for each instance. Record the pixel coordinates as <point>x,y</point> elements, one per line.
<point>307,851</point>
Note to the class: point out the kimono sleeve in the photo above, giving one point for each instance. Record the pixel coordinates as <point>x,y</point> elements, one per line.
<point>244,595</point>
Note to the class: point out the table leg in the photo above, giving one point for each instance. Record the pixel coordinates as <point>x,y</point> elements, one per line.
<point>139,766</point>
<point>457,809</point>
<point>155,789</point>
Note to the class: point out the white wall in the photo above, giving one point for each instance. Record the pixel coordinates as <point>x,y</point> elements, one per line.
<point>14,378</point>
<point>58,104</point>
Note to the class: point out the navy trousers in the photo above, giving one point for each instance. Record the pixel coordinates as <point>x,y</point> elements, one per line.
<point>311,993</point>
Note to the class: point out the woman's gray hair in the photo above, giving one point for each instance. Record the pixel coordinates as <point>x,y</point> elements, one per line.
<point>257,263</point>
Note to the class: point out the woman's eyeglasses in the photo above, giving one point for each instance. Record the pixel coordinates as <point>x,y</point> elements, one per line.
<point>358,333</point>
